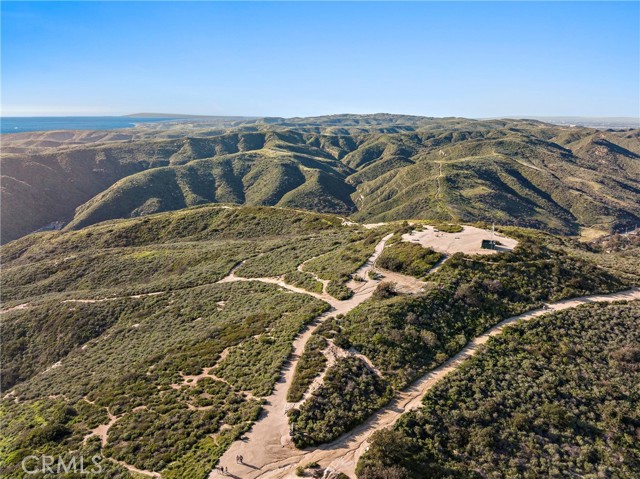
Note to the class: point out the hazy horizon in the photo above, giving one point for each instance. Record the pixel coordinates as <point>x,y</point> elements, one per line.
<point>172,115</point>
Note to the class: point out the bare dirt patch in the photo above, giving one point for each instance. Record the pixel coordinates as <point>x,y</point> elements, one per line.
<point>468,241</point>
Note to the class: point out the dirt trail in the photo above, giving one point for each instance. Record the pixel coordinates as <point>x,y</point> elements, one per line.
<point>192,380</point>
<point>113,298</point>
<point>99,300</point>
<point>279,280</point>
<point>102,431</point>
<point>439,180</point>
<point>269,440</point>
<point>267,460</point>
<point>404,284</point>
<point>15,308</point>
<point>331,356</point>
<point>134,469</point>
<point>325,282</point>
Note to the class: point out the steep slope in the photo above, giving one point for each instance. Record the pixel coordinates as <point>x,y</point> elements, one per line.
<point>374,167</point>
<point>155,342</point>
<point>475,424</point>
<point>516,179</point>
<point>46,187</point>
<point>129,324</point>
<point>266,177</point>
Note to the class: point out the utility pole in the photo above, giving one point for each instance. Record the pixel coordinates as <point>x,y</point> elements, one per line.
<point>493,232</point>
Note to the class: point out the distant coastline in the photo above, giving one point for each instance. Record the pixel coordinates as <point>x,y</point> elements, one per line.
<point>9,125</point>
<point>13,124</point>
<point>597,122</point>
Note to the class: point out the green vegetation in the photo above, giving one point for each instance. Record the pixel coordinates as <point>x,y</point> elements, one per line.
<point>255,365</point>
<point>349,394</point>
<point>303,280</point>
<point>405,336</point>
<point>28,334</point>
<point>154,436</point>
<point>533,271</point>
<point>110,272</point>
<point>339,290</point>
<point>311,364</point>
<point>127,317</point>
<point>168,251</point>
<point>446,227</point>
<point>285,258</point>
<point>374,167</point>
<point>385,290</point>
<point>301,470</point>
<point>341,262</point>
<point>136,360</point>
<point>186,226</point>
<point>53,427</point>
<point>408,258</point>
<point>554,397</point>
<point>89,340</point>
<point>618,254</point>
<point>269,176</point>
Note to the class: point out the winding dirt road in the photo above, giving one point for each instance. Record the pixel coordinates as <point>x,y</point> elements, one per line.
<point>269,440</point>
<point>268,452</point>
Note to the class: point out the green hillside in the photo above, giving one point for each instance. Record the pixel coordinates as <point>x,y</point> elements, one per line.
<point>405,336</point>
<point>576,372</point>
<point>127,323</point>
<point>371,167</point>
<point>265,178</point>
<point>115,316</point>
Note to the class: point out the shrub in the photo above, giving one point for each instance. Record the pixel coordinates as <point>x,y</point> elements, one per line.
<point>350,393</point>
<point>408,258</point>
<point>311,364</point>
<point>523,406</point>
<point>385,290</point>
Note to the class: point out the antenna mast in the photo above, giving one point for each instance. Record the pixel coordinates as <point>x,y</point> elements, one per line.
<point>493,241</point>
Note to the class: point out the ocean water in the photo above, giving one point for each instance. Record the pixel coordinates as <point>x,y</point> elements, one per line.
<point>14,124</point>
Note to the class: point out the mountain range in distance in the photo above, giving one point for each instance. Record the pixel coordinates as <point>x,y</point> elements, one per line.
<point>267,295</point>
<point>178,116</point>
<point>371,168</point>
<point>598,122</point>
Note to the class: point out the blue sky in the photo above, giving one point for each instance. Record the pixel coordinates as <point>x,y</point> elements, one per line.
<point>297,59</point>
